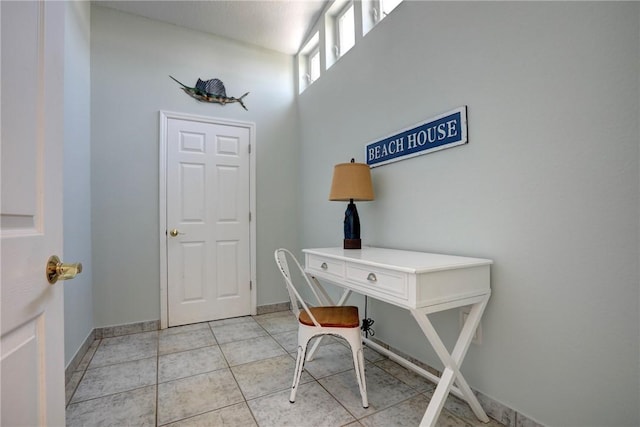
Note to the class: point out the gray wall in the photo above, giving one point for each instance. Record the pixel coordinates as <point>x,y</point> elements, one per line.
<point>548,187</point>
<point>78,298</point>
<point>131,60</point>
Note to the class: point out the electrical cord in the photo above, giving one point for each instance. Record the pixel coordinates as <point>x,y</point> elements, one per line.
<point>367,322</point>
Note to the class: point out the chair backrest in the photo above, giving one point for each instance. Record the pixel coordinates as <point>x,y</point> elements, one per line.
<point>283,257</point>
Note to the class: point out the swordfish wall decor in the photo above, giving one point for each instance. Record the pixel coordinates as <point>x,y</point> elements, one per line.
<point>210,91</point>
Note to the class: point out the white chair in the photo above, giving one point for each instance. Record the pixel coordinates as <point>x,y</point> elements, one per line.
<point>342,321</point>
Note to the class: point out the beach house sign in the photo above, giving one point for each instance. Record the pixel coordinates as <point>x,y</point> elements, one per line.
<point>437,133</point>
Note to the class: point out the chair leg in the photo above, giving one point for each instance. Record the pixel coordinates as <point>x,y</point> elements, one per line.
<point>358,363</point>
<point>302,350</point>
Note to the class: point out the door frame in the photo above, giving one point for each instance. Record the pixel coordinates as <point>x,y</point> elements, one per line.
<point>163,146</point>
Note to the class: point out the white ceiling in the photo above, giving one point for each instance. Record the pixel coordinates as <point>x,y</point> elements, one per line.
<point>279,25</point>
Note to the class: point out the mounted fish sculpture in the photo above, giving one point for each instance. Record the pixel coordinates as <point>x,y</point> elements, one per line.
<point>211,91</point>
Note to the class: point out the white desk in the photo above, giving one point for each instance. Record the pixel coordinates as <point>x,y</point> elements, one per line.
<point>422,283</point>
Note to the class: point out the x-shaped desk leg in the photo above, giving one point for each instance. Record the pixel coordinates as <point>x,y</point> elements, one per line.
<point>451,361</point>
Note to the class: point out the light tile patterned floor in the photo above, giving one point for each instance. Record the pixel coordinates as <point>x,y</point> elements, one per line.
<point>237,372</point>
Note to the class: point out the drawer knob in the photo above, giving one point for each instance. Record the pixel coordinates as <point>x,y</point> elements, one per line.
<point>372,277</point>
<point>323,266</point>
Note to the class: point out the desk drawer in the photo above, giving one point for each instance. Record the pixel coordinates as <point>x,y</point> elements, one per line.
<point>385,281</point>
<point>326,266</point>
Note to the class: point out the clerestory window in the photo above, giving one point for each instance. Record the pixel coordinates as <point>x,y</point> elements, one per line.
<point>345,30</point>
<point>309,65</point>
<point>342,24</point>
<point>313,64</point>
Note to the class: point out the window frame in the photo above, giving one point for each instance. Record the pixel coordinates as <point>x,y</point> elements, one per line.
<point>381,14</point>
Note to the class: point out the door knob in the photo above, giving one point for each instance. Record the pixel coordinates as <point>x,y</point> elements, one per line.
<point>57,270</point>
<point>174,232</point>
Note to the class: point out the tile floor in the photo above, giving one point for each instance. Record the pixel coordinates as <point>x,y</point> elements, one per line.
<point>237,372</point>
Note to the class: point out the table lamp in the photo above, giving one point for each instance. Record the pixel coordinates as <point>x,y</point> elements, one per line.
<point>351,182</point>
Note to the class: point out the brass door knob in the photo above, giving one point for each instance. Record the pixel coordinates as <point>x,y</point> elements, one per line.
<point>57,270</point>
<point>174,232</point>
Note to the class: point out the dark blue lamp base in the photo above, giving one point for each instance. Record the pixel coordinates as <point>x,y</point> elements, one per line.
<point>351,227</point>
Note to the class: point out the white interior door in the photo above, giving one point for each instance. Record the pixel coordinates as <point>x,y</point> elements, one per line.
<point>32,331</point>
<point>208,221</point>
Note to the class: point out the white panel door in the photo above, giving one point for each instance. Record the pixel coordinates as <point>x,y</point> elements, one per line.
<point>208,228</point>
<point>32,331</point>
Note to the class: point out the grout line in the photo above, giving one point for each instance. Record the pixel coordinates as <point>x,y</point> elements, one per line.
<point>84,371</point>
<point>111,394</point>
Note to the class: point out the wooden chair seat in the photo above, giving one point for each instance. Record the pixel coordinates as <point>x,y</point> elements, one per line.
<point>332,316</point>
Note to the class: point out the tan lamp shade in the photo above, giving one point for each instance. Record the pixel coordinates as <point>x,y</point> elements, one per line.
<point>351,181</point>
